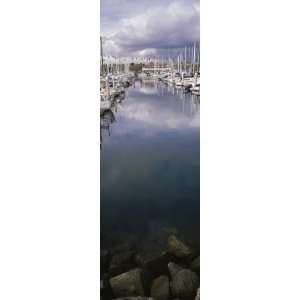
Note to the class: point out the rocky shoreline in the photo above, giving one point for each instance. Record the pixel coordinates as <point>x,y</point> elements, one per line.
<point>128,273</point>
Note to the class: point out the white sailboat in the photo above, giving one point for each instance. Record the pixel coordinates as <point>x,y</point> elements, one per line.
<point>195,89</point>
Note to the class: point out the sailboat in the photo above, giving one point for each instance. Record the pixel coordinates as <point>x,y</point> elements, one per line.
<point>195,89</point>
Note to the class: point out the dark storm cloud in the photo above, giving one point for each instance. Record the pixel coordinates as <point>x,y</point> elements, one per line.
<point>148,27</point>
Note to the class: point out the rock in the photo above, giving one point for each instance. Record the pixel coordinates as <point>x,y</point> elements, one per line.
<point>105,290</point>
<point>178,248</point>
<point>121,262</point>
<point>133,298</point>
<point>128,284</point>
<point>105,280</point>
<point>104,254</point>
<point>174,269</point>
<point>121,258</point>
<point>104,259</point>
<point>195,265</point>
<point>160,289</point>
<point>185,285</point>
<point>152,249</point>
<point>156,264</point>
<point>124,247</point>
<point>198,295</point>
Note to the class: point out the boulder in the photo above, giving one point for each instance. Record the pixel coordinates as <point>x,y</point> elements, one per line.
<point>155,263</point>
<point>104,260</point>
<point>178,248</point>
<point>195,265</point>
<point>185,285</point>
<point>174,269</point>
<point>198,295</point>
<point>105,290</point>
<point>121,262</point>
<point>152,249</point>
<point>128,284</point>
<point>121,258</point>
<point>160,289</point>
<point>133,298</point>
<point>124,247</point>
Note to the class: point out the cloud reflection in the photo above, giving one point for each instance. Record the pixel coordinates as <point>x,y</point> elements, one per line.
<point>152,110</point>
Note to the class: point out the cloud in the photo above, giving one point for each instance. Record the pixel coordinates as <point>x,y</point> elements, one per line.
<point>151,27</point>
<point>147,52</point>
<point>110,47</point>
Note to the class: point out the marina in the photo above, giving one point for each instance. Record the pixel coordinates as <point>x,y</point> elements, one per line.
<point>150,148</point>
<point>150,175</point>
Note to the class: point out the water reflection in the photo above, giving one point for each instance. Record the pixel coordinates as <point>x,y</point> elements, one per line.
<point>150,163</point>
<point>108,117</point>
<point>154,106</point>
<point>106,120</point>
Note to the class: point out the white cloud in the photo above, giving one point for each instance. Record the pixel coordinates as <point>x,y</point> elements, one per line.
<point>110,47</point>
<point>162,26</point>
<point>147,52</point>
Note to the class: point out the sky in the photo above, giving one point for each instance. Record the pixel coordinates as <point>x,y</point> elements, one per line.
<point>148,27</point>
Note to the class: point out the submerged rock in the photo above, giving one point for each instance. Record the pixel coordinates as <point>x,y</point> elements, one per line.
<point>198,295</point>
<point>124,247</point>
<point>195,265</point>
<point>134,298</point>
<point>178,248</point>
<point>152,249</point>
<point>105,290</point>
<point>104,259</point>
<point>155,263</point>
<point>174,269</point>
<point>128,284</point>
<point>160,289</point>
<point>121,262</point>
<point>122,258</point>
<point>185,285</point>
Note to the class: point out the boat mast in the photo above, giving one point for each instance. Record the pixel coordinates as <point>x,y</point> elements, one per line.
<point>194,58</point>
<point>199,58</point>
<point>101,49</point>
<point>185,59</point>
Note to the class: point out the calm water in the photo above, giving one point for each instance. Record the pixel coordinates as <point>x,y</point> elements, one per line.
<point>150,164</point>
